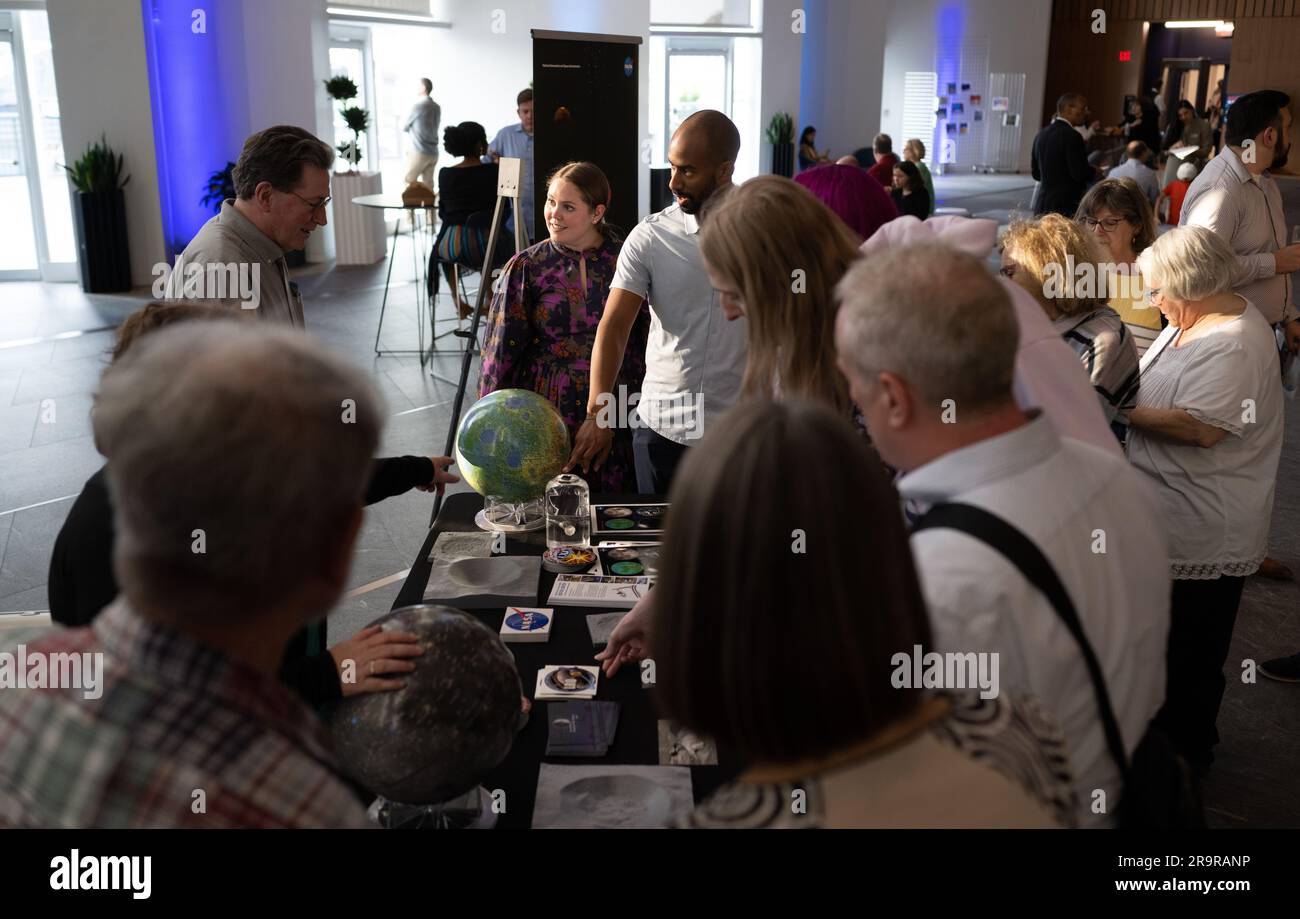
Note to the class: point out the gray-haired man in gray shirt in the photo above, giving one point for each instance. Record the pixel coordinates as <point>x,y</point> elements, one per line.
<point>282,186</point>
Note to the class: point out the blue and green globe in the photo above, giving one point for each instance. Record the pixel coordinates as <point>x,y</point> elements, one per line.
<point>510,444</point>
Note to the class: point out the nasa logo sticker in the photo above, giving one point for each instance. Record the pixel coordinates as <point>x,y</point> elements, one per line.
<point>627,66</point>
<point>527,622</point>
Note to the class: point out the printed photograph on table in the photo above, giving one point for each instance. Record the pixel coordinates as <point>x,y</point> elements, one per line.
<point>566,682</point>
<point>630,559</point>
<point>627,519</point>
<point>679,746</point>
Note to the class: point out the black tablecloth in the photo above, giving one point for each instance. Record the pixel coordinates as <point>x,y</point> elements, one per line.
<point>637,739</point>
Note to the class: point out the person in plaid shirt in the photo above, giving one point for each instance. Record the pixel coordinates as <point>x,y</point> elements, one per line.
<point>221,558</point>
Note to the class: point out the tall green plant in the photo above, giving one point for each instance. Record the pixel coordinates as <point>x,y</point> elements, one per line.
<point>98,169</point>
<point>780,130</point>
<point>341,89</point>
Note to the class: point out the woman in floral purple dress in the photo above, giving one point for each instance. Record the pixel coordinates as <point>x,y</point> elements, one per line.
<point>548,303</point>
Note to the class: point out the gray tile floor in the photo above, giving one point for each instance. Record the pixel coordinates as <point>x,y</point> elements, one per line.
<point>46,384</point>
<point>46,453</point>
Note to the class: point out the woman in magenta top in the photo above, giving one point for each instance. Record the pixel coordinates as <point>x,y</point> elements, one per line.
<point>548,303</point>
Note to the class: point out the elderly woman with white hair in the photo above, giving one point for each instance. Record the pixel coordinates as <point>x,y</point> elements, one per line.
<point>1208,431</point>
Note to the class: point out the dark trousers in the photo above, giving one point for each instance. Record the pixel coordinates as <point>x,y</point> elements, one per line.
<point>1202,616</point>
<point>656,460</point>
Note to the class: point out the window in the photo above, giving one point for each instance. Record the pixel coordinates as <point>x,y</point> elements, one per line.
<point>36,239</point>
<point>350,57</point>
<point>706,55</point>
<point>733,14</point>
<point>386,62</point>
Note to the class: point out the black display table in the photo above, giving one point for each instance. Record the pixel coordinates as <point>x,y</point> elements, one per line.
<point>637,740</point>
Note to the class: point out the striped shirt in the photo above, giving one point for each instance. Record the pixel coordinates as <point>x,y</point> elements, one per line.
<point>1141,318</point>
<point>1106,350</point>
<point>999,762</point>
<point>179,735</point>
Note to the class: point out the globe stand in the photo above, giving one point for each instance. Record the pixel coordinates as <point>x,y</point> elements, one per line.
<point>471,811</point>
<point>501,516</point>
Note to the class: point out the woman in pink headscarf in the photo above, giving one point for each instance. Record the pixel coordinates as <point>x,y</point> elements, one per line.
<point>855,197</point>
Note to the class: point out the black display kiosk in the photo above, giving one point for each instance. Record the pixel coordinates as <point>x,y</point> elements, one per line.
<point>585,106</point>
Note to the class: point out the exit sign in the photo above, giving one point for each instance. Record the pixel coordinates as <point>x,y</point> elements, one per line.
<point>1126,55</point>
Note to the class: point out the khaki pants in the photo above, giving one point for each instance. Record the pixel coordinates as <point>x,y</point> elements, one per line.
<point>420,166</point>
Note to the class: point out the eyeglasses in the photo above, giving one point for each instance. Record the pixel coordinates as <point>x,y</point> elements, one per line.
<point>315,206</point>
<point>1109,224</point>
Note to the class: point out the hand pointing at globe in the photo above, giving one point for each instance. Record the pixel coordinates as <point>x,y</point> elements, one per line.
<point>441,477</point>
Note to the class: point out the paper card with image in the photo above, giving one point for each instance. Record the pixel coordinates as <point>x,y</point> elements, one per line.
<point>627,519</point>
<point>629,559</point>
<point>566,681</point>
<point>527,623</point>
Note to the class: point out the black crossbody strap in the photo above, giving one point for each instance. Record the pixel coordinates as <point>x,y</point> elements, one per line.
<point>1020,550</point>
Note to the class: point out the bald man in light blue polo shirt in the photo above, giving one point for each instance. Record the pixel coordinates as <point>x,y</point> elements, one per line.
<point>695,359</point>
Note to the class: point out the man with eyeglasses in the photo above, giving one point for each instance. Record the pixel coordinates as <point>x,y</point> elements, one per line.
<point>282,184</point>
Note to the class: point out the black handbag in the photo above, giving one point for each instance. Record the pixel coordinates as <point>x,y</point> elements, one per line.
<point>1159,789</point>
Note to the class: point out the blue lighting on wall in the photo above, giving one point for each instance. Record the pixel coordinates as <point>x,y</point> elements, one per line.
<point>812,83</point>
<point>188,90</point>
<point>949,27</point>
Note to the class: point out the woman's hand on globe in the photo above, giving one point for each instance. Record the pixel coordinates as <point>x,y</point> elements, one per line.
<point>374,660</point>
<point>591,447</point>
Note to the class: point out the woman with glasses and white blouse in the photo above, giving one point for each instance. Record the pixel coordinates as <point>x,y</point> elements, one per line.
<point>1208,431</point>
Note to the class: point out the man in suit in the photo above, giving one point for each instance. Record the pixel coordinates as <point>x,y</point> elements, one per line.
<point>1060,159</point>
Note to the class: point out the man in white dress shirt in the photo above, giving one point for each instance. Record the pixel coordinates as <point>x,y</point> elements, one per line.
<point>1237,197</point>
<point>927,338</point>
<point>695,358</point>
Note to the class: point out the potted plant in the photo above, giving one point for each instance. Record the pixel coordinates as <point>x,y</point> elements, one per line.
<point>99,216</point>
<point>220,188</point>
<point>358,231</point>
<point>780,134</point>
<point>341,89</point>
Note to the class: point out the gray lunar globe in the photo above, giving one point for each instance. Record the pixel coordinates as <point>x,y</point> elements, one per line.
<point>453,721</point>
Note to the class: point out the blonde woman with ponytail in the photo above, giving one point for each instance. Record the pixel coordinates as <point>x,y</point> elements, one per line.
<point>774,253</point>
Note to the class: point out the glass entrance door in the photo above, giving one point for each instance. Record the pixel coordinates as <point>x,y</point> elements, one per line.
<point>36,237</point>
<point>18,249</point>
